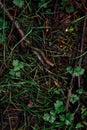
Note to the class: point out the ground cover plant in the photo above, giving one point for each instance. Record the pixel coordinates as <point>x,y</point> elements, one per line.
<point>43,65</point>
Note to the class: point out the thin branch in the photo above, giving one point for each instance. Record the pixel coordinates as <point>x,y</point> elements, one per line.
<point>68,98</point>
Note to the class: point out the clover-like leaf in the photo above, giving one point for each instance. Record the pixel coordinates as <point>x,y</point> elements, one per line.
<point>74,98</point>
<point>78,71</point>
<point>15,63</point>
<point>59,106</point>
<point>69,69</point>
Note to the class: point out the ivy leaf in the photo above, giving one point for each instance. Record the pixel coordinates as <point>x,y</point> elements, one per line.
<point>19,3</point>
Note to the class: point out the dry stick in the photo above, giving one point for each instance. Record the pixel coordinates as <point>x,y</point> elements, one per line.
<point>68,98</point>
<point>41,56</point>
<point>81,49</point>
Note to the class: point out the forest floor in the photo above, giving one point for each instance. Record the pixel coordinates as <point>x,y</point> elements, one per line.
<point>43,65</point>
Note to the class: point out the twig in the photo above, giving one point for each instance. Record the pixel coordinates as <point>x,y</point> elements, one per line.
<point>41,56</point>
<point>81,49</point>
<point>68,98</point>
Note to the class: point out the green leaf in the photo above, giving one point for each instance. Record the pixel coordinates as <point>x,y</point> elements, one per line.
<point>59,107</point>
<point>48,11</point>
<point>18,74</point>
<point>12,73</point>
<point>69,9</point>
<point>58,104</point>
<point>57,91</point>
<point>69,69</point>
<point>19,3</point>
<point>69,118</point>
<point>79,91</point>
<point>74,98</point>
<point>78,71</point>
<point>46,117</point>
<point>17,68</point>
<point>62,117</point>
<point>21,65</point>
<point>78,126</point>
<point>50,117</point>
<point>15,63</point>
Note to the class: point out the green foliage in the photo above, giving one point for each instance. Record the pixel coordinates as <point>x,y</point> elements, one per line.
<point>79,126</point>
<point>79,91</point>
<point>59,107</point>
<point>70,69</point>
<point>76,71</point>
<point>57,91</point>
<point>17,66</point>
<point>19,3</point>
<point>74,98</point>
<point>66,118</point>
<point>50,117</point>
